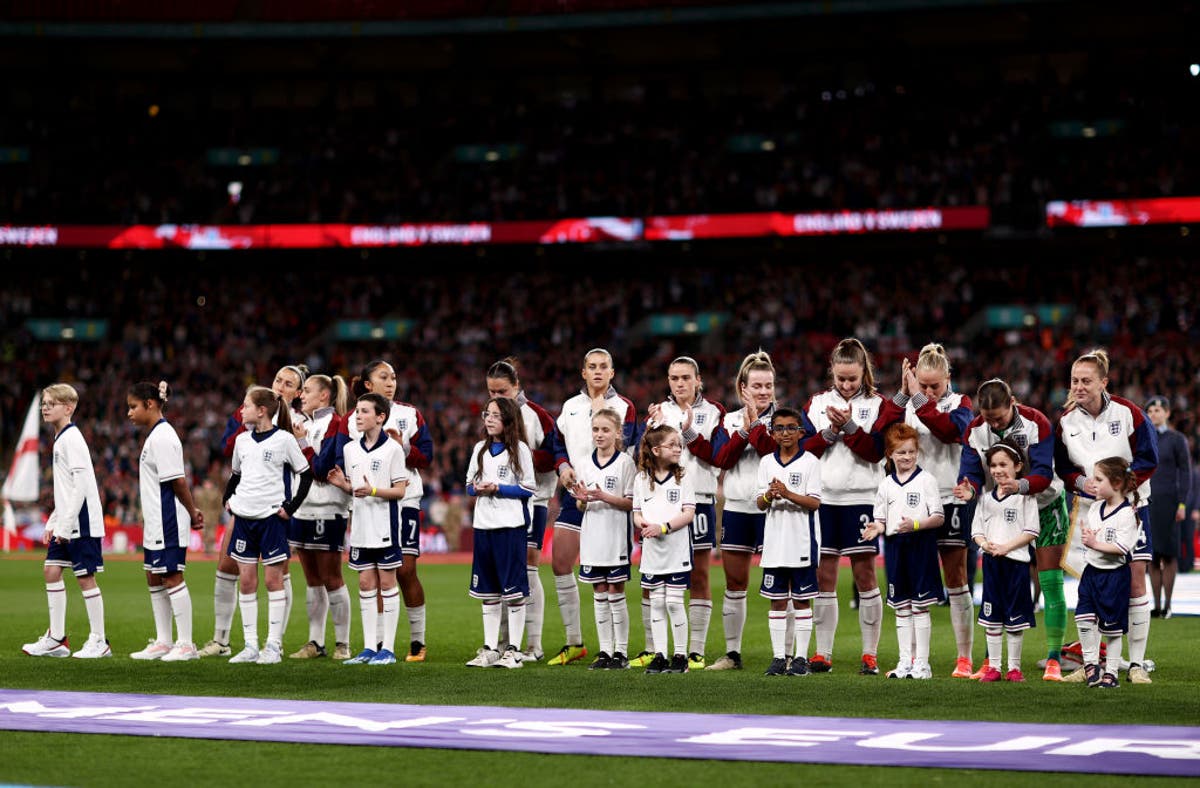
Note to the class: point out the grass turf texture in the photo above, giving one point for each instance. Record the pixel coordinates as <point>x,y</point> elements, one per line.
<point>455,632</point>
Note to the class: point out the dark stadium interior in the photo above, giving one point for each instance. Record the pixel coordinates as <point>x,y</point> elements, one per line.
<point>1006,105</point>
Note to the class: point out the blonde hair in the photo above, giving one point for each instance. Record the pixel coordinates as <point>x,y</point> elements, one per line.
<point>615,418</point>
<point>597,351</point>
<point>61,392</point>
<point>339,392</point>
<point>759,361</point>
<point>1098,357</point>
<point>933,357</point>
<point>851,351</point>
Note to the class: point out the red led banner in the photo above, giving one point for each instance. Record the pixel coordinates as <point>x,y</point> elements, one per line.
<point>594,229</point>
<point>1122,213</point>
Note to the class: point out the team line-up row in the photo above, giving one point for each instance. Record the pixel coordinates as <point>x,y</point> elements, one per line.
<point>802,486</point>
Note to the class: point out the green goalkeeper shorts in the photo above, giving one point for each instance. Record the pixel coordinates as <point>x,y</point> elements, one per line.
<point>1054,521</point>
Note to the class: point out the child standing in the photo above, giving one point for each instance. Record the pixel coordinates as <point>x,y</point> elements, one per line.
<point>501,477</point>
<point>663,507</point>
<point>1009,523</point>
<point>908,510</point>
<point>789,491</point>
<point>168,516</point>
<point>1111,533</point>
<point>605,494</point>
<point>260,497</point>
<point>73,532</point>
<point>377,478</point>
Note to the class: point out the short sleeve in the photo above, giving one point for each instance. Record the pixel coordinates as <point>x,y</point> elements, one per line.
<point>473,465</point>
<point>168,456</point>
<point>933,495</point>
<point>687,492</point>
<point>628,472</point>
<point>527,480</point>
<point>763,480</point>
<point>812,486</point>
<point>880,512</point>
<point>639,491</point>
<point>295,456</point>
<point>1033,522</point>
<point>237,454</point>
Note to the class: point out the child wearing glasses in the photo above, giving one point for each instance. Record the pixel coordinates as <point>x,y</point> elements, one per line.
<point>789,491</point>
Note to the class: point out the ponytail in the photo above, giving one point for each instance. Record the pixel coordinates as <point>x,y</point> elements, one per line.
<point>852,351</point>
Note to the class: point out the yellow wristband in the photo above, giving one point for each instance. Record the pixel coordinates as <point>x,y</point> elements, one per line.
<point>373,491</point>
<point>916,525</point>
<point>666,529</point>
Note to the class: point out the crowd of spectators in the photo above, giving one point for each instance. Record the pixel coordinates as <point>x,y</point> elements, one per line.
<point>472,140</point>
<point>212,332</point>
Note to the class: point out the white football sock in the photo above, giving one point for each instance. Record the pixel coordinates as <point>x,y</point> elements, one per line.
<point>516,623</point>
<point>287,597</point>
<point>777,626</point>
<point>647,628</point>
<point>825,621</point>
<point>699,614</point>
<point>1139,627</point>
<point>248,604</point>
<point>568,607</point>
<point>962,611</point>
<point>733,619</point>
<point>316,603</point>
<point>870,619</point>
<point>276,618</point>
<point>658,622</point>
<point>370,619</point>
<point>995,647</point>
<point>94,603</point>
<point>904,634</point>
<point>789,634</point>
<point>416,623</point>
<point>160,605</point>
<point>619,610</point>
<point>56,600</point>
<point>391,618</point>
<point>1015,640</point>
<point>677,613</point>
<point>491,625</point>
<point>603,616</point>
<point>804,630</point>
<point>180,600</point>
<point>224,602</point>
<point>535,609</point>
<point>922,626</point>
<point>339,611</point>
<point>1089,640</point>
<point>1112,662</point>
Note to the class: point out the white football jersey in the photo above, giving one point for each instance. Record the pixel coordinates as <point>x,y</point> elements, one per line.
<point>72,467</point>
<point>916,497</point>
<point>670,553</point>
<point>165,520</point>
<point>376,521</point>
<point>604,534</point>
<point>1002,520</point>
<point>266,462</point>
<point>792,534</point>
<point>501,511</point>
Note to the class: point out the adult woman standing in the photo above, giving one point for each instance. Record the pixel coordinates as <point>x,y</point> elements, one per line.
<point>574,447</point>
<point>687,410</point>
<point>999,417</point>
<point>736,447</point>
<point>1096,425</point>
<point>940,416</point>
<point>1169,488</point>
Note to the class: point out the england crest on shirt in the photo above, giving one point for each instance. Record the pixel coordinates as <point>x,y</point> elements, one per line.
<point>913,500</point>
<point>502,472</point>
<point>1021,439</point>
<point>402,424</point>
<point>794,479</point>
<point>864,414</point>
<point>673,496</point>
<point>1010,516</point>
<point>1114,428</point>
<point>376,465</point>
<point>699,418</point>
<point>268,455</point>
<point>610,484</point>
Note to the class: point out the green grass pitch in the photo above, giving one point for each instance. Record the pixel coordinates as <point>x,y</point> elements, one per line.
<point>454,632</point>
